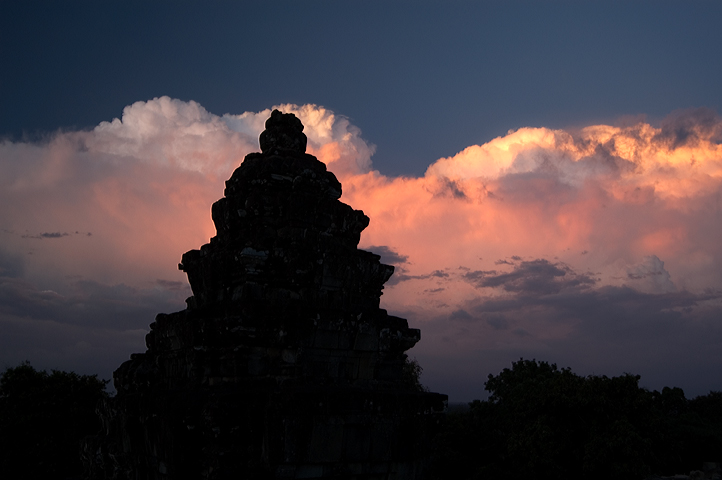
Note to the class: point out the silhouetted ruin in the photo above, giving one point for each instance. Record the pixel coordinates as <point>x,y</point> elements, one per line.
<point>283,365</point>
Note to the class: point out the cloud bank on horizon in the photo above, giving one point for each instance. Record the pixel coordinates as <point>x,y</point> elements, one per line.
<point>596,248</point>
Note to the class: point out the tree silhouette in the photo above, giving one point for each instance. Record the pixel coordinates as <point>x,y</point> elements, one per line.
<point>43,417</point>
<point>544,422</point>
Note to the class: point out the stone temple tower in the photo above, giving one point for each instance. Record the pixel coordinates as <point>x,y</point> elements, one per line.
<point>282,365</point>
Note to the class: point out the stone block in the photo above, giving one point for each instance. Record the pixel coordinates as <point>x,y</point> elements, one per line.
<point>326,339</point>
<point>366,342</point>
<point>366,367</point>
<point>289,355</point>
<point>356,442</point>
<point>382,440</point>
<point>349,370</point>
<point>344,340</point>
<point>309,471</point>
<point>327,439</point>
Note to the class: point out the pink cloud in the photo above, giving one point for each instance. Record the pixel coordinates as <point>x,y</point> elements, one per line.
<point>519,246</point>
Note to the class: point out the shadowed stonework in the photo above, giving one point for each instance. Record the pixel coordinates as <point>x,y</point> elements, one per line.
<point>283,365</point>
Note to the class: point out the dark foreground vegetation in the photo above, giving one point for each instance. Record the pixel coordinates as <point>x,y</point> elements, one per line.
<point>544,422</point>
<point>43,417</point>
<point>539,422</point>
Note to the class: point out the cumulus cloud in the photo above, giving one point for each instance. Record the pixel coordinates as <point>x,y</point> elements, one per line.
<point>332,138</point>
<point>549,235</point>
<point>596,248</point>
<point>143,185</point>
<point>650,276</point>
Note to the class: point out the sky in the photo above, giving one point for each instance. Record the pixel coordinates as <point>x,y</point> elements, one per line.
<point>546,177</point>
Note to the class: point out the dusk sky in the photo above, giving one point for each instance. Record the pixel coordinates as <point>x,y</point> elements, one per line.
<point>545,176</point>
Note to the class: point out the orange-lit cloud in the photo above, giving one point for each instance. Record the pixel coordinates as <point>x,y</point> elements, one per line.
<point>627,217</point>
<point>597,248</point>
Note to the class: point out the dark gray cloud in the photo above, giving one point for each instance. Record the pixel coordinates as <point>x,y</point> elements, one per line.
<point>89,303</point>
<point>391,257</point>
<point>608,304</point>
<point>434,290</point>
<point>687,127</point>
<point>497,322</point>
<point>670,339</point>
<point>503,262</point>
<point>461,314</point>
<point>173,285</point>
<point>388,255</point>
<point>400,276</point>
<point>546,310</point>
<point>90,328</point>
<point>11,265</point>
<point>43,235</point>
<point>535,277</point>
<point>449,188</point>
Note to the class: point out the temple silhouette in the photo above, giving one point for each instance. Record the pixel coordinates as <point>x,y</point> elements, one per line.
<point>282,365</point>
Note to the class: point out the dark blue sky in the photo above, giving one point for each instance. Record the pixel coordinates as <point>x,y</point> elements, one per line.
<point>422,80</point>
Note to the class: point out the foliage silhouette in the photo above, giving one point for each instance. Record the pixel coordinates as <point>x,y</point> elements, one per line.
<point>43,417</point>
<point>538,422</point>
<point>544,422</point>
<point>412,375</point>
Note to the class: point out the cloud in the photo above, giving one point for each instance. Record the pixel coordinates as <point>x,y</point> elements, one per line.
<point>596,247</point>
<point>11,265</point>
<point>332,138</point>
<point>173,285</point>
<point>690,127</point>
<point>388,255</point>
<point>402,276</point>
<point>651,276</point>
<point>87,303</point>
<point>143,184</point>
<point>43,235</point>
<point>90,329</point>
<point>614,224</point>
<point>531,278</point>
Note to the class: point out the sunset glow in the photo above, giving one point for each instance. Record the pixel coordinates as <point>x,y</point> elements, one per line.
<point>525,245</point>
